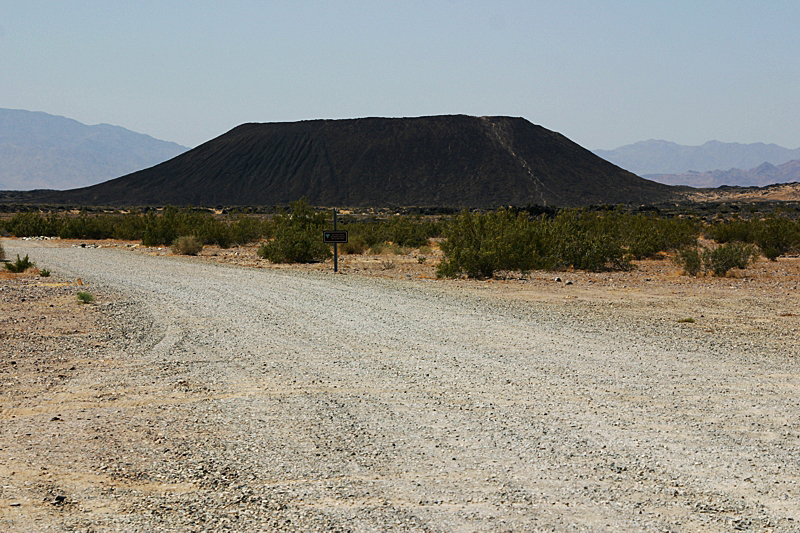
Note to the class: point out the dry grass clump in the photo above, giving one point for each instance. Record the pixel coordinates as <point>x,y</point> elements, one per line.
<point>187,245</point>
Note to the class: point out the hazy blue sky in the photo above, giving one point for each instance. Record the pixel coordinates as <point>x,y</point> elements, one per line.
<point>603,73</point>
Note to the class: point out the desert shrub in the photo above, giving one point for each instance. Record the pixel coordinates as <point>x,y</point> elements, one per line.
<point>409,232</point>
<point>165,228</point>
<point>468,247</point>
<point>187,245</point>
<point>20,265</point>
<point>354,245</point>
<point>399,249</point>
<point>590,252</point>
<point>691,259</point>
<point>159,230</point>
<point>211,230</point>
<point>86,227</point>
<point>2,252</point>
<point>32,224</point>
<point>371,231</point>
<point>377,248</point>
<point>584,240</point>
<point>298,236</point>
<point>85,297</point>
<point>248,229</point>
<point>406,231</point>
<point>776,236</point>
<point>718,261</point>
<point>732,230</point>
<point>152,228</point>
<point>727,256</point>
<point>45,273</point>
<point>646,235</point>
<point>129,227</point>
<point>480,244</point>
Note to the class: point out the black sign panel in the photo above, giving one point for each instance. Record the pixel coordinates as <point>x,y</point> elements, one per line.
<point>334,237</point>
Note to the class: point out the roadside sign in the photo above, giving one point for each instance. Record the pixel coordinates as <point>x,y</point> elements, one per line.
<point>334,237</point>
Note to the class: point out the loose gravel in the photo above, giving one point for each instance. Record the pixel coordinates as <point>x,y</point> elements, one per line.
<point>220,398</point>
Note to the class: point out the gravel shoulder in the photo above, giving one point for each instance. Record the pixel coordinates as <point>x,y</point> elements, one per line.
<point>197,396</point>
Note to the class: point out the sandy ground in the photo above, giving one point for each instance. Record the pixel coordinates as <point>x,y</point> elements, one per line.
<point>655,287</point>
<point>760,301</point>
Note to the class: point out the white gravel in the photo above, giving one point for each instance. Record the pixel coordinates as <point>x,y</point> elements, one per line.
<point>260,400</point>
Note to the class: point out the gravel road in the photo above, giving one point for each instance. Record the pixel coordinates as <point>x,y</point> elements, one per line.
<point>233,399</point>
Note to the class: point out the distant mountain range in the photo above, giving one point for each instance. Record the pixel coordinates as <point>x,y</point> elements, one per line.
<point>42,151</point>
<point>648,158</point>
<point>452,160</point>
<point>761,176</point>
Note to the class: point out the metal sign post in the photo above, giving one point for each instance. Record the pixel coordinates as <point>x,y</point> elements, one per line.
<point>335,238</point>
<point>335,246</point>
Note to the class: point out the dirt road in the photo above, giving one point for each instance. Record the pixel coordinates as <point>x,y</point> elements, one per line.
<point>203,397</point>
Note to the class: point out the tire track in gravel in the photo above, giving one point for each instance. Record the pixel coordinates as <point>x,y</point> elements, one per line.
<point>302,401</point>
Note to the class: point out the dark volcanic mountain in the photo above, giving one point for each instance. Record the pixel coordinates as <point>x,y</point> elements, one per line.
<point>41,151</point>
<point>428,161</point>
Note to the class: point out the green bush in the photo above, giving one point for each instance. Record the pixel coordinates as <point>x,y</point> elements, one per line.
<point>691,259</point>
<point>33,224</point>
<point>20,265</point>
<point>85,297</point>
<point>405,231</point>
<point>45,273</point>
<point>646,235</point>
<point>409,232</point>
<point>187,245</point>
<point>471,245</point>
<point>732,230</point>
<point>85,226</point>
<point>152,228</point>
<point>248,229</point>
<point>298,236</point>
<point>480,244</point>
<point>776,236</point>
<point>728,256</point>
<point>718,260</point>
<point>354,245</point>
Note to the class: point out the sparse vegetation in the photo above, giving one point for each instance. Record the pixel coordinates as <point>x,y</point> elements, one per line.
<point>298,236</point>
<point>478,244</point>
<point>152,228</point>
<point>354,245</point>
<point>187,245</point>
<point>85,297</point>
<point>718,260</point>
<point>691,259</point>
<point>774,235</point>
<point>45,273</point>
<point>727,256</point>
<point>2,252</point>
<point>20,265</point>
<point>689,320</point>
